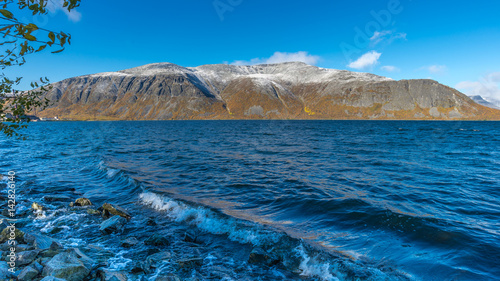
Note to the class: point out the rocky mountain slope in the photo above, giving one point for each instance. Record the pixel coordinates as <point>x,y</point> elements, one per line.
<point>480,100</point>
<point>294,90</point>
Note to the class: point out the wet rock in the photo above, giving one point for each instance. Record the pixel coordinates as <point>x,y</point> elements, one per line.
<point>190,236</point>
<point>66,266</point>
<point>190,263</point>
<point>109,210</point>
<point>129,242</point>
<point>157,240</point>
<point>39,241</point>
<point>113,224</point>
<point>56,198</point>
<point>50,278</point>
<point>55,246</point>
<point>12,232</point>
<point>258,255</point>
<point>82,202</point>
<point>26,257</point>
<point>36,207</point>
<point>37,266</point>
<point>141,266</point>
<point>87,261</point>
<point>48,253</point>
<point>28,273</point>
<point>158,257</point>
<point>4,271</point>
<point>151,222</point>
<point>169,277</point>
<point>93,212</point>
<point>22,247</point>
<point>107,275</point>
<point>43,261</point>
<point>152,251</point>
<point>98,249</point>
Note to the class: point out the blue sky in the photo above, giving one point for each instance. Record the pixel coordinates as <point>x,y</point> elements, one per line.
<point>454,42</point>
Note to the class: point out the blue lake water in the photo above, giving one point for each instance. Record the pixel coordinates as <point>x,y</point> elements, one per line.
<point>344,200</point>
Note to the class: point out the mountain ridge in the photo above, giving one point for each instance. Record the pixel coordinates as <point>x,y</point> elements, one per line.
<point>292,90</point>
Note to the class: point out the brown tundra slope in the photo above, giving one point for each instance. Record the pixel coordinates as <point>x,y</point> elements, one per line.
<point>165,91</point>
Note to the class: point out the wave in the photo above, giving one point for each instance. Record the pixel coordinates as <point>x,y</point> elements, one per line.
<point>295,254</point>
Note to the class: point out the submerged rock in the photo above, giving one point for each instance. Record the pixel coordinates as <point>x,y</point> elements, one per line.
<point>154,259</point>
<point>151,222</point>
<point>82,202</point>
<point>258,255</point>
<point>190,263</point>
<point>56,198</point>
<point>109,210</point>
<point>129,242</point>
<point>169,277</point>
<point>113,224</point>
<point>190,236</point>
<point>27,274</point>
<point>157,240</point>
<point>93,212</point>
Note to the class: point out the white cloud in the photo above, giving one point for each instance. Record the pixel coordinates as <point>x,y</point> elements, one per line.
<point>279,57</point>
<point>435,69</point>
<point>487,87</point>
<point>367,60</point>
<point>57,5</point>
<point>386,35</point>
<point>390,68</point>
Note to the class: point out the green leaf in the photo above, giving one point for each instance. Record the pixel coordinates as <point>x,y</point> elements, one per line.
<point>30,37</point>
<point>6,13</point>
<point>52,37</point>
<point>58,51</point>
<point>41,48</point>
<point>31,27</point>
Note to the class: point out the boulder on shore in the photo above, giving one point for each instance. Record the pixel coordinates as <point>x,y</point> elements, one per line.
<point>27,274</point>
<point>36,207</point>
<point>109,210</point>
<point>113,224</point>
<point>12,232</point>
<point>66,266</point>
<point>40,242</point>
<point>26,257</point>
<point>82,202</point>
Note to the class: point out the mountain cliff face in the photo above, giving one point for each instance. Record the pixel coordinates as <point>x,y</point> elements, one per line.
<point>165,91</point>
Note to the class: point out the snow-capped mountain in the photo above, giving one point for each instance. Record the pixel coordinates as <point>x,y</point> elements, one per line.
<point>269,91</point>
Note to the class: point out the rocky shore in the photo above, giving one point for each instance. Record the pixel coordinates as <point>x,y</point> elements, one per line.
<point>35,256</point>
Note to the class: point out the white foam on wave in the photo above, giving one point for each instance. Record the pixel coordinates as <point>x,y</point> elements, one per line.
<point>119,262</point>
<point>310,267</point>
<point>112,172</point>
<point>48,226</point>
<point>209,221</point>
